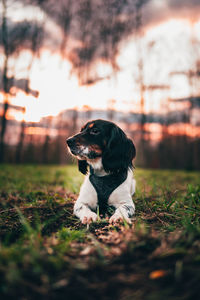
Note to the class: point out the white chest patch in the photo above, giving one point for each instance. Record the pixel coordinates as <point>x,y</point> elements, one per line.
<point>96,163</point>
<point>97,166</point>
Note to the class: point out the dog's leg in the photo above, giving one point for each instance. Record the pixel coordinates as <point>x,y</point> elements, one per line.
<point>86,201</point>
<point>121,199</point>
<point>84,213</point>
<point>123,212</point>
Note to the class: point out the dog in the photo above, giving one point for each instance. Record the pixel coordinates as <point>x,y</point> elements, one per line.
<point>104,148</point>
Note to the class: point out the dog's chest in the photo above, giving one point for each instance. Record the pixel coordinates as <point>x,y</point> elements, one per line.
<point>104,186</point>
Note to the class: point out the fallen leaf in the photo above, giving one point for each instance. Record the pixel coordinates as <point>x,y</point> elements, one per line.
<point>157,274</point>
<point>86,251</point>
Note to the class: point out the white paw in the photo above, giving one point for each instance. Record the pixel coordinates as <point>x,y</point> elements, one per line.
<point>89,217</point>
<point>119,218</point>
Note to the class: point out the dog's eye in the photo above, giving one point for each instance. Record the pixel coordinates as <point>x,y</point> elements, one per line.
<point>94,131</point>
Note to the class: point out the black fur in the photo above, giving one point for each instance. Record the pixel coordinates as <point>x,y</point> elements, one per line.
<point>117,151</point>
<point>82,166</point>
<point>105,185</point>
<point>130,210</point>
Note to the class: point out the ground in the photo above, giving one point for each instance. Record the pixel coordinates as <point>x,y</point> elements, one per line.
<point>46,253</point>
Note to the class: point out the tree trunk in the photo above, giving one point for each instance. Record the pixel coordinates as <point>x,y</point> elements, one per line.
<point>20,144</point>
<point>5,79</point>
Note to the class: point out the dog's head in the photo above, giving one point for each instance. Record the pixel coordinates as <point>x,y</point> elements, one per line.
<point>105,141</point>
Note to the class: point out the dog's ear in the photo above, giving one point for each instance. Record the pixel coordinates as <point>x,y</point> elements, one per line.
<point>82,166</point>
<point>119,152</point>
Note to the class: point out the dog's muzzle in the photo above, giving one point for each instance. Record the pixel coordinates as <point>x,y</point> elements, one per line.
<point>71,143</point>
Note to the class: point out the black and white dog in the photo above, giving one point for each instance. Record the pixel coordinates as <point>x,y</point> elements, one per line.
<point>105,149</point>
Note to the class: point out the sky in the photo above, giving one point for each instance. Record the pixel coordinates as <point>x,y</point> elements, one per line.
<point>165,47</point>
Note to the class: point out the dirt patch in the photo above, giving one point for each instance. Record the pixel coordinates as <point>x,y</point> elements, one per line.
<point>52,216</point>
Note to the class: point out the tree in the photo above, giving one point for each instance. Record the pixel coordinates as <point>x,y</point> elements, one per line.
<point>14,37</point>
<point>5,76</point>
<point>96,29</point>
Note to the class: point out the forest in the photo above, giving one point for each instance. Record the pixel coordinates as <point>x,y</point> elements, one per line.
<point>64,63</point>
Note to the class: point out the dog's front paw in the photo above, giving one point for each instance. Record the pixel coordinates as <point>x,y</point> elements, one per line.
<point>89,217</point>
<point>118,218</point>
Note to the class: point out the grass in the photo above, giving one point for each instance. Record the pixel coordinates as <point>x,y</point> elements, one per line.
<point>46,253</point>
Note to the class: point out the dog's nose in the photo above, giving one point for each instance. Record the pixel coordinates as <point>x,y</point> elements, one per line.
<point>70,142</point>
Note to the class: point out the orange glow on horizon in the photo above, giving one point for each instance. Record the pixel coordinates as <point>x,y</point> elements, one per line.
<point>41,131</point>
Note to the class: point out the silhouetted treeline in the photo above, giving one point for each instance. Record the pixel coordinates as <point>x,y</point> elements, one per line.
<point>173,152</point>
<point>39,145</point>
<point>52,151</point>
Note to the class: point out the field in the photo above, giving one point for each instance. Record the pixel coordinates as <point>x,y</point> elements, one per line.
<point>46,253</point>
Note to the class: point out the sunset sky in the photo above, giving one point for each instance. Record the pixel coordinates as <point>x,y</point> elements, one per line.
<point>166,47</point>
